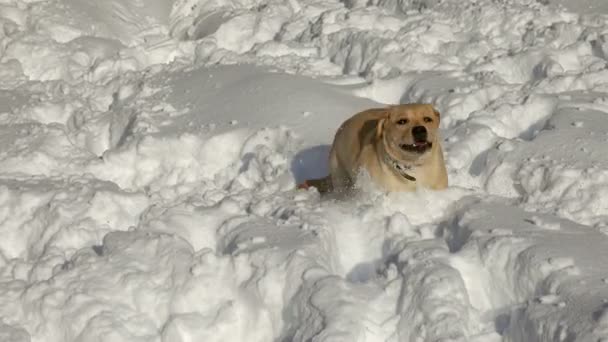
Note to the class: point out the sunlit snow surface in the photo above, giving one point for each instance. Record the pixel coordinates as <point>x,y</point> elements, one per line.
<point>149,152</point>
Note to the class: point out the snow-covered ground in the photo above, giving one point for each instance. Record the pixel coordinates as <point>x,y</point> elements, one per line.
<point>149,152</point>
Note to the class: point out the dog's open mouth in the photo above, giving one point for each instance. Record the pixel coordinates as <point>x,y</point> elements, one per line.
<point>417,147</point>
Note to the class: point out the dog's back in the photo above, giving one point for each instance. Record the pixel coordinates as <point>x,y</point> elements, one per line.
<point>349,140</point>
<point>353,136</point>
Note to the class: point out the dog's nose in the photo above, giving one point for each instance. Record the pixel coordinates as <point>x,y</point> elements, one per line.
<point>419,133</point>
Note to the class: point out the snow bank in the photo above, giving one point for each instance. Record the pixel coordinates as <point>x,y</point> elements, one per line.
<point>206,124</point>
<point>547,180</point>
<point>534,271</point>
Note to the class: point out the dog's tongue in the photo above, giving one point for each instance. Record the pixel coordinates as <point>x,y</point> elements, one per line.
<point>419,143</point>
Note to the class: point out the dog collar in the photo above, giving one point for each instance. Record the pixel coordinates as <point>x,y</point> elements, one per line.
<point>398,167</point>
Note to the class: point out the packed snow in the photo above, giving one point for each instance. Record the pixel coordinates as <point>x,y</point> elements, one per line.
<point>150,151</point>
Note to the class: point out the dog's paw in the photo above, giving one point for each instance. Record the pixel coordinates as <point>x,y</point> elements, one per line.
<point>303,186</point>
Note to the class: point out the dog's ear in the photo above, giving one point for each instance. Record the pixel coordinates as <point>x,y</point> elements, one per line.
<point>380,127</point>
<point>437,114</point>
<point>381,121</point>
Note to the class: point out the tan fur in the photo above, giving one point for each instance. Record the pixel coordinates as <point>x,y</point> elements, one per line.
<point>363,140</point>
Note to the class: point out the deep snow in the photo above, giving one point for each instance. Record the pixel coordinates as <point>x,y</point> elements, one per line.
<point>149,153</point>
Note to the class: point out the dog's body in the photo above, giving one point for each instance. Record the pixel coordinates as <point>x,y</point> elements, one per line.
<point>399,147</point>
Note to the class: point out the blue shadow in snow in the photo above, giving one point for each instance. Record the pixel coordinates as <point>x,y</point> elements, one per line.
<point>311,163</point>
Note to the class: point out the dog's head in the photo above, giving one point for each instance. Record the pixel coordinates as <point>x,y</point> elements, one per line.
<point>409,131</point>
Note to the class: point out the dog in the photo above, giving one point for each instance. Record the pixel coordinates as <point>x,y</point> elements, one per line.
<point>398,146</point>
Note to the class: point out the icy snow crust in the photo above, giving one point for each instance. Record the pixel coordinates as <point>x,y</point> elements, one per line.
<point>149,153</point>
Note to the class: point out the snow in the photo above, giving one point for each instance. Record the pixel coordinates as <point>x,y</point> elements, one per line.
<point>149,154</point>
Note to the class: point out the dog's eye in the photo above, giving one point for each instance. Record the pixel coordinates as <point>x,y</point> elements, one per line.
<point>427,119</point>
<point>402,122</point>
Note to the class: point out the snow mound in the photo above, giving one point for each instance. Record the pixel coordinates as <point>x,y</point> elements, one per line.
<point>197,115</point>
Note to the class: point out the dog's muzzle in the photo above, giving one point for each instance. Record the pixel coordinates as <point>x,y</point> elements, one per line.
<point>417,147</point>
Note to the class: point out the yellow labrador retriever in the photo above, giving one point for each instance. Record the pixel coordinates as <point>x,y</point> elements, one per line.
<point>399,147</point>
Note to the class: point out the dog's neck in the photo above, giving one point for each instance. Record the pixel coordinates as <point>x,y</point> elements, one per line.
<point>399,167</point>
